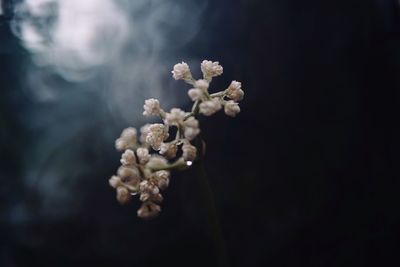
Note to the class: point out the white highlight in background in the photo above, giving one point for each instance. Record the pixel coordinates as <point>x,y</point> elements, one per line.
<point>77,36</point>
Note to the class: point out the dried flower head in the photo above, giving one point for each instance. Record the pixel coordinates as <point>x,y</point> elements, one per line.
<point>144,130</point>
<point>202,85</point>
<point>181,71</point>
<point>149,187</point>
<point>123,195</point>
<point>128,173</point>
<point>143,155</point>
<point>128,158</point>
<point>148,210</point>
<point>162,179</point>
<point>211,69</point>
<point>146,163</point>
<point>209,107</point>
<point>191,126</point>
<point>189,152</point>
<point>114,181</point>
<point>168,150</point>
<point>235,91</point>
<point>151,107</point>
<point>174,117</point>
<point>127,139</point>
<point>157,134</point>
<point>231,108</point>
<point>196,94</point>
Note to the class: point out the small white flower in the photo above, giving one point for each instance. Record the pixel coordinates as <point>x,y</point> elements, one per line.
<point>231,108</point>
<point>163,174</point>
<point>168,150</point>
<point>191,133</point>
<point>191,128</point>
<point>148,210</point>
<point>162,179</point>
<point>196,94</point>
<point>128,158</point>
<point>143,155</point>
<point>191,122</point>
<point>189,152</point>
<point>127,139</point>
<point>157,134</point>
<point>209,107</point>
<point>235,91</point>
<point>133,184</point>
<point>114,181</point>
<point>156,198</point>
<point>199,90</point>
<point>211,69</point>
<point>151,107</point>
<point>144,197</point>
<point>181,71</point>
<point>156,161</point>
<point>148,197</point>
<point>202,84</point>
<point>129,176</point>
<point>127,173</point>
<point>175,116</point>
<point>148,187</point>
<point>123,195</point>
<point>144,130</point>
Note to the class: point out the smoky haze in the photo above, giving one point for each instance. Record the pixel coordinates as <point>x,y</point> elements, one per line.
<point>92,65</point>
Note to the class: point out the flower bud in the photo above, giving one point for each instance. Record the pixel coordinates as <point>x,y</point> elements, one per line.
<point>151,107</point>
<point>127,139</point>
<point>148,187</point>
<point>157,134</point>
<point>181,71</point>
<point>175,116</point>
<point>148,210</point>
<point>209,107</point>
<point>189,152</point>
<point>114,181</point>
<point>123,195</point>
<point>168,150</point>
<point>162,179</point>
<point>195,94</point>
<point>128,158</point>
<point>202,85</point>
<point>231,108</point>
<point>234,91</point>
<point>128,172</point>
<point>191,129</point>
<point>143,155</point>
<point>211,69</point>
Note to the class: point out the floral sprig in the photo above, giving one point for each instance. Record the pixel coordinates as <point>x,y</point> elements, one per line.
<point>146,161</point>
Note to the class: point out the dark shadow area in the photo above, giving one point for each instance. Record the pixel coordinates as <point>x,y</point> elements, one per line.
<point>306,175</point>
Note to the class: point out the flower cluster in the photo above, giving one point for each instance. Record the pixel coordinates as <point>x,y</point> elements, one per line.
<point>147,160</point>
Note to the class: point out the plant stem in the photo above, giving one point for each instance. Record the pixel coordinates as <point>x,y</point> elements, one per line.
<point>195,110</point>
<point>219,94</point>
<point>180,163</point>
<point>213,215</point>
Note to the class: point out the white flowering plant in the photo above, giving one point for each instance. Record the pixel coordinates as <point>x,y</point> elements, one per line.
<point>147,160</point>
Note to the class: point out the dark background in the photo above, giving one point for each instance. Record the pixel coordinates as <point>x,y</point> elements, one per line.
<point>306,175</point>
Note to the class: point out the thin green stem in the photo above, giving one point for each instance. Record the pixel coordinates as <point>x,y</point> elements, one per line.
<point>162,114</point>
<point>213,215</point>
<point>195,110</point>
<point>219,94</point>
<point>178,164</point>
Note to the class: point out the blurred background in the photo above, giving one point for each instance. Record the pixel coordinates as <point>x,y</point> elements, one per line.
<point>306,175</point>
